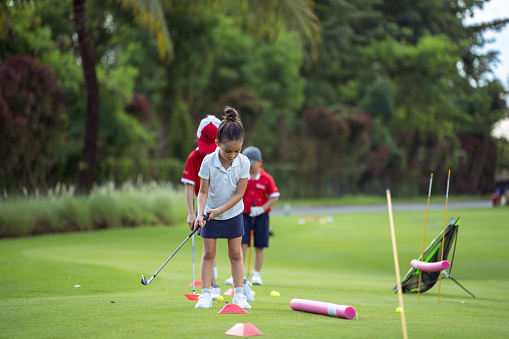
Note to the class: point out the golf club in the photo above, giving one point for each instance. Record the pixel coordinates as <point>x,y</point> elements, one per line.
<point>250,243</point>
<point>144,280</point>
<point>193,263</point>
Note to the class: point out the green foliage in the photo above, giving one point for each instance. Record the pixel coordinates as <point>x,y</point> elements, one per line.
<point>434,17</point>
<point>323,133</point>
<point>180,130</point>
<point>29,34</point>
<point>484,105</point>
<point>401,80</point>
<point>260,79</point>
<point>106,207</point>
<point>32,122</point>
<point>139,54</point>
<point>502,146</point>
<point>416,49</point>
<point>379,100</point>
<point>420,74</point>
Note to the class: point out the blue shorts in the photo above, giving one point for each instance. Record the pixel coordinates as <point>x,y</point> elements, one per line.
<point>224,229</point>
<point>261,230</point>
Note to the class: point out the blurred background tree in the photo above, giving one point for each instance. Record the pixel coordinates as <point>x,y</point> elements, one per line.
<point>343,97</point>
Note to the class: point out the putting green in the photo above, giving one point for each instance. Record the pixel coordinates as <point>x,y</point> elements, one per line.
<point>88,284</point>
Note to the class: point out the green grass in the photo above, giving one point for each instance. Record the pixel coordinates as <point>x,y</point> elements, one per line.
<point>374,200</point>
<point>348,261</point>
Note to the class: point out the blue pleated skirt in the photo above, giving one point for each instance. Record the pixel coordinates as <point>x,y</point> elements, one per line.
<point>223,229</point>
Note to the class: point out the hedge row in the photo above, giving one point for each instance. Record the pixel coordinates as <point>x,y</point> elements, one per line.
<point>106,207</point>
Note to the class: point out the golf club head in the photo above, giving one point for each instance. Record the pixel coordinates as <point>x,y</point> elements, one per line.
<point>143,280</point>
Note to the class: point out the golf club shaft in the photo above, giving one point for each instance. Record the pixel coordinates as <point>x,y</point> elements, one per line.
<point>193,264</point>
<point>206,217</point>
<point>250,243</point>
<point>178,248</point>
<point>250,249</point>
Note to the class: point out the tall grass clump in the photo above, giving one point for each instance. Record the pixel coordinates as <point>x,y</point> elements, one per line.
<point>107,206</point>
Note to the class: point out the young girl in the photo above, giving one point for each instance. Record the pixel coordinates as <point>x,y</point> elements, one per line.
<point>223,176</point>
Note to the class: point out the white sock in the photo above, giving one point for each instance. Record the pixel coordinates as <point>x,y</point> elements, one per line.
<point>239,290</point>
<point>214,270</point>
<point>257,273</point>
<point>205,290</point>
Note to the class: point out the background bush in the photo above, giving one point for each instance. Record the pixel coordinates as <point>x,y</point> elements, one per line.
<point>106,207</point>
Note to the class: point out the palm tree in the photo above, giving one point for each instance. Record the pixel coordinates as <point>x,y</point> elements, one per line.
<point>88,157</point>
<point>262,17</point>
<point>5,13</point>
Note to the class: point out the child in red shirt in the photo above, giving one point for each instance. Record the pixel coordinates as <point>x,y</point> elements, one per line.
<point>207,133</point>
<point>261,194</point>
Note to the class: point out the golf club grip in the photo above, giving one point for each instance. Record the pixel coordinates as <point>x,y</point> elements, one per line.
<point>205,217</point>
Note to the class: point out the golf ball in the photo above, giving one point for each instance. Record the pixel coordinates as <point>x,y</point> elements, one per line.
<point>275,294</point>
<point>398,310</point>
<point>220,298</point>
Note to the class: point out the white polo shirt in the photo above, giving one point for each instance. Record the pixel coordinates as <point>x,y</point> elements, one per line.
<point>223,182</point>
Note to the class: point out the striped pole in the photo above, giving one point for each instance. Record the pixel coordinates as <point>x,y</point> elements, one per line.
<point>396,265</point>
<point>424,239</point>
<point>443,234</point>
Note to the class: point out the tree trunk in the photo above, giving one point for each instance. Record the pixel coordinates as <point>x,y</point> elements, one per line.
<point>88,157</point>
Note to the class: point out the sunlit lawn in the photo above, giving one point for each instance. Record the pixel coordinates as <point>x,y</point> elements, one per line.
<point>347,261</point>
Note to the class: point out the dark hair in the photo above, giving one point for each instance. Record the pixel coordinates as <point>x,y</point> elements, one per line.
<point>231,128</point>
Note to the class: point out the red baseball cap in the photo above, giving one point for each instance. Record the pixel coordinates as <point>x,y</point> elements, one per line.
<point>207,134</point>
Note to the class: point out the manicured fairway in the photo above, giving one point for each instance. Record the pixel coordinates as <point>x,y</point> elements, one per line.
<point>346,261</point>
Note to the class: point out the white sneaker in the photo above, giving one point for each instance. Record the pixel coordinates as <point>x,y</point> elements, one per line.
<point>229,281</point>
<point>248,292</point>
<point>215,292</point>
<point>240,299</point>
<point>204,301</point>
<point>256,279</point>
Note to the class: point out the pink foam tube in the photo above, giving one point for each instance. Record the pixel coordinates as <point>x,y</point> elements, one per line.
<point>430,266</point>
<point>320,307</point>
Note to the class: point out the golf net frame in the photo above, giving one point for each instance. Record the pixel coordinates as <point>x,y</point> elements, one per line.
<point>410,281</point>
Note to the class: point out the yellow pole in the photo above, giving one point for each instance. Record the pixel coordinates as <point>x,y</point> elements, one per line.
<point>424,239</point>
<point>396,265</point>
